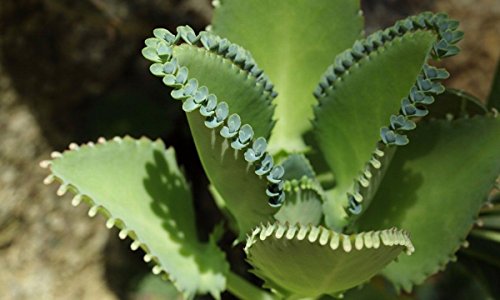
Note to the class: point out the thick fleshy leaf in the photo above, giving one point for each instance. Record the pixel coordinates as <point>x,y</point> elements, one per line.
<point>138,187</point>
<point>303,193</point>
<point>292,41</point>
<point>434,188</point>
<point>154,288</point>
<point>350,115</point>
<point>297,166</point>
<point>243,192</point>
<point>227,99</point>
<point>308,261</point>
<point>370,94</point>
<point>219,67</point>
<point>304,203</point>
<point>243,93</point>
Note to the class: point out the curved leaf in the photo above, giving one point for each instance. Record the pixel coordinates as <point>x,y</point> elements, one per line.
<point>244,93</point>
<point>311,261</point>
<point>223,68</point>
<point>434,188</point>
<point>303,193</point>
<point>297,166</point>
<point>304,203</point>
<point>308,36</point>
<point>221,87</point>
<point>361,93</point>
<point>138,187</point>
<point>349,116</point>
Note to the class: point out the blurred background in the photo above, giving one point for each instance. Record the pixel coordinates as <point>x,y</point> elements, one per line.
<point>71,71</point>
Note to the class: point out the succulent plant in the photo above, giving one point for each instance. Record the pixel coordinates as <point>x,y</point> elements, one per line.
<point>314,175</point>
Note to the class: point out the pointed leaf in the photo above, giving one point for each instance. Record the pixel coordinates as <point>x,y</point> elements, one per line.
<point>244,94</point>
<point>350,115</point>
<point>369,94</point>
<point>310,261</point>
<point>138,186</point>
<point>292,41</point>
<point>434,188</point>
<point>243,192</point>
<point>227,99</point>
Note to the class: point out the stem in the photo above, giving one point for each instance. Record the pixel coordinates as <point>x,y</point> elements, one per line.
<point>244,290</point>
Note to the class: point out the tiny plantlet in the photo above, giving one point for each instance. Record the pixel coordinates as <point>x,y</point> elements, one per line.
<point>325,149</point>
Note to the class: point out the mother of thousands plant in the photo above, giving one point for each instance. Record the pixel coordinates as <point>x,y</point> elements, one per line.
<point>314,175</point>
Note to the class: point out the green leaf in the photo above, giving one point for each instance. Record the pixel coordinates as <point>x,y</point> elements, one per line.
<point>353,110</point>
<point>356,101</point>
<point>434,188</point>
<point>292,41</point>
<point>297,166</point>
<point>309,261</point>
<point>219,67</point>
<point>221,205</point>
<point>303,193</point>
<point>221,88</point>
<point>303,205</point>
<point>152,287</point>
<point>244,192</point>
<point>230,83</point>
<point>138,187</point>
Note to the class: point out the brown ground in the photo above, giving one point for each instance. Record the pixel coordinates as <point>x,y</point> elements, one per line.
<point>48,250</point>
<point>473,68</point>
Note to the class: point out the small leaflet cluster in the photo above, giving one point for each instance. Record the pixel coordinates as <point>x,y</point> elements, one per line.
<point>421,94</point>
<point>324,236</point>
<point>216,113</point>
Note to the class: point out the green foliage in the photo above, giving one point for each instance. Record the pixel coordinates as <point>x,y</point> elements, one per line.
<point>152,205</point>
<point>308,234</point>
<point>419,174</point>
